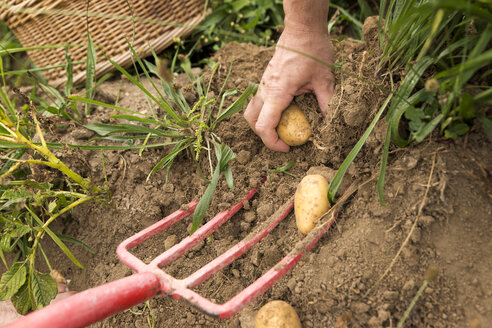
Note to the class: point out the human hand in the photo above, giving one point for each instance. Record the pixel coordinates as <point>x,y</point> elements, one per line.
<point>8,313</point>
<point>290,74</point>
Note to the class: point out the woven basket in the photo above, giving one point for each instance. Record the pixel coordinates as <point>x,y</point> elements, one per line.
<point>59,22</point>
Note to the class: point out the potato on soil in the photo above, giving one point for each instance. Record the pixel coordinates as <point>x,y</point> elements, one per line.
<point>310,201</point>
<point>277,314</point>
<point>294,128</point>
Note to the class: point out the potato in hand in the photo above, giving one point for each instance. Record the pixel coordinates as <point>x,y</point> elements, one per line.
<point>294,128</point>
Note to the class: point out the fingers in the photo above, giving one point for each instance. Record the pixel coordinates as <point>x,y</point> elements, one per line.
<point>263,118</point>
<point>268,120</point>
<point>324,92</point>
<point>253,111</point>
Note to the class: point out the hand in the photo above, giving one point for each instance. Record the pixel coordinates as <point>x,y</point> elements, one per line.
<point>8,313</point>
<point>290,74</point>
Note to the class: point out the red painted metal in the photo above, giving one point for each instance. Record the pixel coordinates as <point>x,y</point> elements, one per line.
<point>94,304</point>
<point>97,303</point>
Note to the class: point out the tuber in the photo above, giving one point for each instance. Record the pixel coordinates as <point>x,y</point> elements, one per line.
<point>310,201</point>
<point>294,128</point>
<point>277,314</point>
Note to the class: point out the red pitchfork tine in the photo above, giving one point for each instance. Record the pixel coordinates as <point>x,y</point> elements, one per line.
<point>95,304</point>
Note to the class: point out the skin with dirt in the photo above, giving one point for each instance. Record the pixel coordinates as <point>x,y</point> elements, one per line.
<point>333,285</point>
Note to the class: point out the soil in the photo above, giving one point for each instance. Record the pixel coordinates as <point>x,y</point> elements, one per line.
<point>335,284</point>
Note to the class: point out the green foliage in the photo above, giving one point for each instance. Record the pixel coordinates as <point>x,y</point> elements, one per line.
<point>186,126</point>
<point>12,280</point>
<point>282,169</point>
<point>224,155</point>
<point>28,206</point>
<point>447,45</point>
<point>239,20</point>
<point>453,41</point>
<point>90,69</point>
<point>337,179</point>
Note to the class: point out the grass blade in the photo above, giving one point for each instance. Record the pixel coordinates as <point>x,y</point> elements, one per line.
<point>75,241</point>
<point>224,156</point>
<point>55,238</point>
<point>169,158</point>
<point>69,70</point>
<point>238,104</point>
<point>90,71</point>
<point>382,169</point>
<point>337,179</point>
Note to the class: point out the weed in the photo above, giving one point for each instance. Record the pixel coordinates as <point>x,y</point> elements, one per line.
<point>430,276</point>
<point>282,169</point>
<point>239,21</point>
<point>29,206</point>
<point>150,316</point>
<point>186,127</point>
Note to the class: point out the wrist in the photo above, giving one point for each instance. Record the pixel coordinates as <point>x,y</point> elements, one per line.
<point>306,16</point>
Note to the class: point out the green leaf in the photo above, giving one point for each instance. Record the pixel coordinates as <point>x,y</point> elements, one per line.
<point>75,241</point>
<point>337,179</point>
<point>456,129</point>
<point>22,300</point>
<point>99,103</point>
<point>382,169</point>
<point>484,97</point>
<point>406,88</point>
<point>69,83</point>
<point>17,193</point>
<point>38,185</point>
<point>224,156</point>
<point>169,158</point>
<point>104,129</point>
<point>467,107</point>
<point>90,70</point>
<point>414,114</point>
<point>228,177</point>
<point>136,119</point>
<point>57,240</point>
<point>52,206</point>
<point>12,280</point>
<point>428,128</point>
<point>15,196</point>
<point>394,122</point>
<point>239,103</point>
<point>467,68</point>
<point>5,243</point>
<point>44,289</point>
<point>487,125</point>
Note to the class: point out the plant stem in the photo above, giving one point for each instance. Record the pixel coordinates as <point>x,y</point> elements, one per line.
<point>412,304</point>
<point>51,219</point>
<point>54,162</point>
<point>45,257</point>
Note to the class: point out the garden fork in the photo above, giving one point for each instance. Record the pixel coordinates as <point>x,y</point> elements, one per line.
<point>95,304</point>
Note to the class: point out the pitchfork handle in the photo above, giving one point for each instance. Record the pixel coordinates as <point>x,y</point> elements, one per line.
<point>94,304</point>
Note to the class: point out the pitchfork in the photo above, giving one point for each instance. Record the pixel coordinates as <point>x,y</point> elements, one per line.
<point>95,304</point>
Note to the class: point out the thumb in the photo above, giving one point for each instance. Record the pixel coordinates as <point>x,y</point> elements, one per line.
<point>268,120</point>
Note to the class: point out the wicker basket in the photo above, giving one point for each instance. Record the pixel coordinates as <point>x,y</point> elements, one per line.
<point>59,22</point>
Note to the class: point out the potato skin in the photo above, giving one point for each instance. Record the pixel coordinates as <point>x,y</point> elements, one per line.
<point>310,201</point>
<point>277,314</point>
<point>294,128</point>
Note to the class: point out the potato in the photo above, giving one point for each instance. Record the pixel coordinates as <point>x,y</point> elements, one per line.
<point>277,314</point>
<point>294,128</point>
<point>310,201</point>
